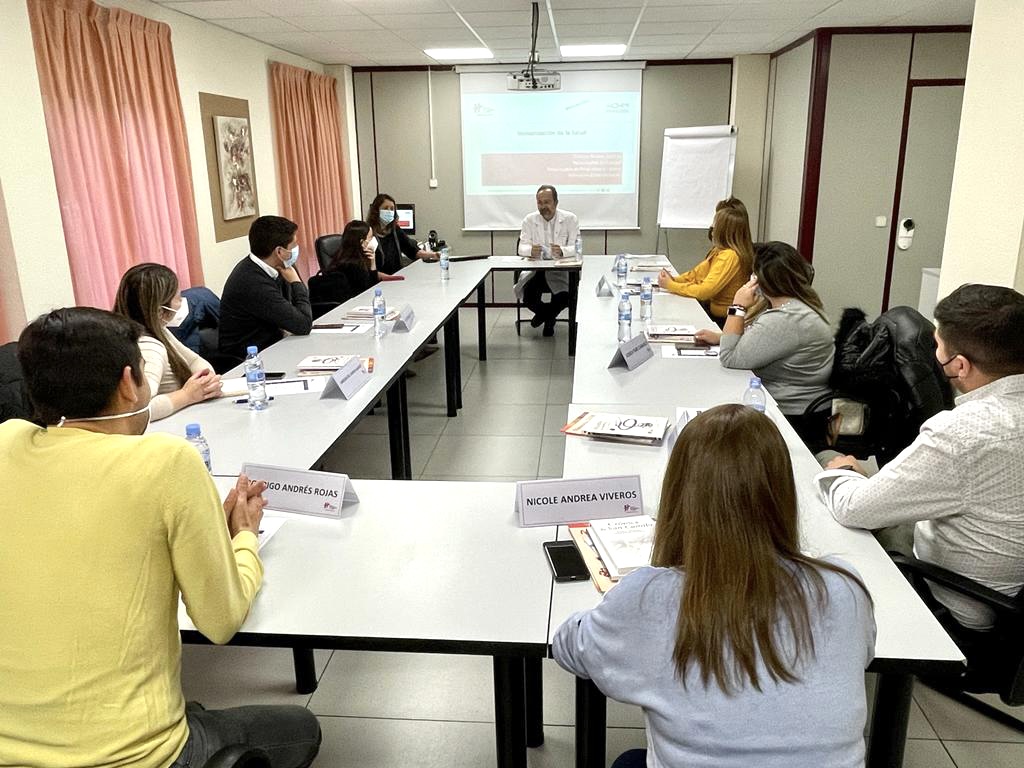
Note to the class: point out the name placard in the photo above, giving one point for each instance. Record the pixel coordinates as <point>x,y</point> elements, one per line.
<point>406,318</point>
<point>555,502</point>
<point>604,288</point>
<point>632,353</point>
<point>347,380</point>
<point>303,491</point>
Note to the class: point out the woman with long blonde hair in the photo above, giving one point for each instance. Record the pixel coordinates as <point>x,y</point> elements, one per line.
<point>740,649</point>
<point>727,266</point>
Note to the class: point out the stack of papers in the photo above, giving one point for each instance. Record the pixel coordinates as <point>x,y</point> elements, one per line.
<point>682,334</point>
<point>644,430</point>
<point>322,364</point>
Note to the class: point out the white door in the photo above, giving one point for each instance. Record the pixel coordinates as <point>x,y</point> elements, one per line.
<point>927,178</point>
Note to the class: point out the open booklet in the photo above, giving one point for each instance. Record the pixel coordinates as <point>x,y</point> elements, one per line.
<point>623,428</point>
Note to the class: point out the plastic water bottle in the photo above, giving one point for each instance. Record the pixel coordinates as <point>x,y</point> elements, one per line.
<point>195,436</point>
<point>621,268</point>
<point>380,310</point>
<point>579,246</point>
<point>754,396</point>
<point>625,318</point>
<point>256,379</point>
<point>445,253</point>
<point>646,301</point>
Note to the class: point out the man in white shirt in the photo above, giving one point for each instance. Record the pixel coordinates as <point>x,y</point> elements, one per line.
<point>962,480</point>
<point>547,233</point>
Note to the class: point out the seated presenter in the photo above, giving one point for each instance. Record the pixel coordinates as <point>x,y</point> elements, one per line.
<point>103,528</point>
<point>740,649</point>
<point>392,242</point>
<point>177,376</point>
<point>726,268</point>
<point>547,233</point>
<point>264,297</point>
<point>352,268</point>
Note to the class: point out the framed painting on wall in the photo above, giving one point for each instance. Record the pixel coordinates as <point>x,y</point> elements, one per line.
<point>234,160</point>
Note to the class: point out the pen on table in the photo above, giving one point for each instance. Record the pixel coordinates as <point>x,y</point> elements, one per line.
<point>241,400</point>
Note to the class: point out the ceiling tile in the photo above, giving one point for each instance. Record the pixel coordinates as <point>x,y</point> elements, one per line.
<point>290,8</point>
<point>481,6</point>
<point>502,19</point>
<point>366,42</point>
<point>512,33</point>
<point>665,41</point>
<point>396,9</point>
<point>258,26</point>
<point>289,40</point>
<point>218,9</point>
<point>595,16</point>
<point>675,28</point>
<point>591,4</point>
<point>334,23</point>
<point>444,38</point>
<point>939,12</point>
<point>788,9</point>
<point>658,50</point>
<point>419,21</point>
<point>687,13</point>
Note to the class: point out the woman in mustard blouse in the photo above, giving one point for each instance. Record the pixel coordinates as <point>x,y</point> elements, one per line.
<point>726,269</point>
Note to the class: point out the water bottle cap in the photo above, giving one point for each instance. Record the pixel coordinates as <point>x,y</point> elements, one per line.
<point>192,430</point>
<point>755,381</point>
<point>647,281</point>
<point>251,350</point>
<point>625,295</point>
<point>376,291</point>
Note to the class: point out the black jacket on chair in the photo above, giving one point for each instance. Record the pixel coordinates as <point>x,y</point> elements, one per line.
<point>340,284</point>
<point>256,309</point>
<point>390,249</point>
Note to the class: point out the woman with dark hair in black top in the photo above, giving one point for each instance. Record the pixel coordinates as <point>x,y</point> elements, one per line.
<point>351,269</point>
<point>392,242</point>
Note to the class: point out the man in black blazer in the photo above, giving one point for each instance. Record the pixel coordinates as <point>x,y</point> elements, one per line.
<point>263,296</point>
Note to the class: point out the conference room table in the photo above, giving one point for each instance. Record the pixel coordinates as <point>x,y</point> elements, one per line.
<point>909,639</point>
<point>298,429</point>
<point>416,567</point>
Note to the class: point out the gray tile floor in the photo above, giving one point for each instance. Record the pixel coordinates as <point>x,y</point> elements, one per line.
<point>389,710</point>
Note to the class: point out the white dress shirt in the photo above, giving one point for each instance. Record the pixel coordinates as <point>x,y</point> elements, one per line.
<point>962,481</point>
<point>265,267</point>
<point>562,230</point>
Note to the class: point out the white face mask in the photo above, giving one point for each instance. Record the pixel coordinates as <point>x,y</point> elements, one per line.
<point>373,244</point>
<point>290,261</point>
<point>387,215</point>
<point>149,417</point>
<point>179,314</point>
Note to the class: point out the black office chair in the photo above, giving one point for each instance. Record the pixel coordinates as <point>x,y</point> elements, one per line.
<point>238,756</point>
<point>516,274</point>
<point>326,246</point>
<point>995,659</point>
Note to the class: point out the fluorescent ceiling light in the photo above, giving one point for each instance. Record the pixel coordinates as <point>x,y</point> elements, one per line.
<point>458,53</point>
<point>582,51</point>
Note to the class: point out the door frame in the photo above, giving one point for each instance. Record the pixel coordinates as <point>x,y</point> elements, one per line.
<point>898,191</point>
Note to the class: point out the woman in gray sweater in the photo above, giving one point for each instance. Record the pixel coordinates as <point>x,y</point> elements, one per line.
<point>777,327</point>
<point>741,650</point>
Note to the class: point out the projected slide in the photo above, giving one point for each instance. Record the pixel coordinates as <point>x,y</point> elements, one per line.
<point>585,142</point>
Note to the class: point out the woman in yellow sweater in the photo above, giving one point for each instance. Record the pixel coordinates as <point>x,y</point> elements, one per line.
<point>726,269</point>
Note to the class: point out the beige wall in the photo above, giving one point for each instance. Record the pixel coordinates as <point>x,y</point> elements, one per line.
<point>393,139</point>
<point>747,111</point>
<point>985,230</point>
<point>789,93</point>
<point>208,59</point>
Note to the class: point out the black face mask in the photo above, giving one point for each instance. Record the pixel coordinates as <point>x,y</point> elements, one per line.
<point>943,365</point>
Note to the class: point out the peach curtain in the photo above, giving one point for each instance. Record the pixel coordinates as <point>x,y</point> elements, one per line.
<point>313,178</point>
<point>117,139</point>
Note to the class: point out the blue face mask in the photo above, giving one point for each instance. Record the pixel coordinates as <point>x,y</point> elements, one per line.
<point>290,261</point>
<point>387,216</point>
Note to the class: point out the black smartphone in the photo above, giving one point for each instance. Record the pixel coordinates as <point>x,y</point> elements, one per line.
<point>275,375</point>
<point>565,560</point>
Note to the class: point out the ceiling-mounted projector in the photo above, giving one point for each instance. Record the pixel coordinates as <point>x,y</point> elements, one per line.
<point>534,80</point>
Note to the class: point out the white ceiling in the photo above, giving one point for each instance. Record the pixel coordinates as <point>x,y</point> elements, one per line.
<point>395,32</point>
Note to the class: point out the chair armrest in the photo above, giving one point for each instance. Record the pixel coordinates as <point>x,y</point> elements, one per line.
<point>911,566</point>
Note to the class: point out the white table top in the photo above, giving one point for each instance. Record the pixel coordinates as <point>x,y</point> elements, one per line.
<point>412,561</point>
<point>295,430</point>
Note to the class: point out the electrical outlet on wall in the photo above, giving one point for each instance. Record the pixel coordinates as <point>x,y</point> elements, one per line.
<point>880,221</point>
<point>432,183</point>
